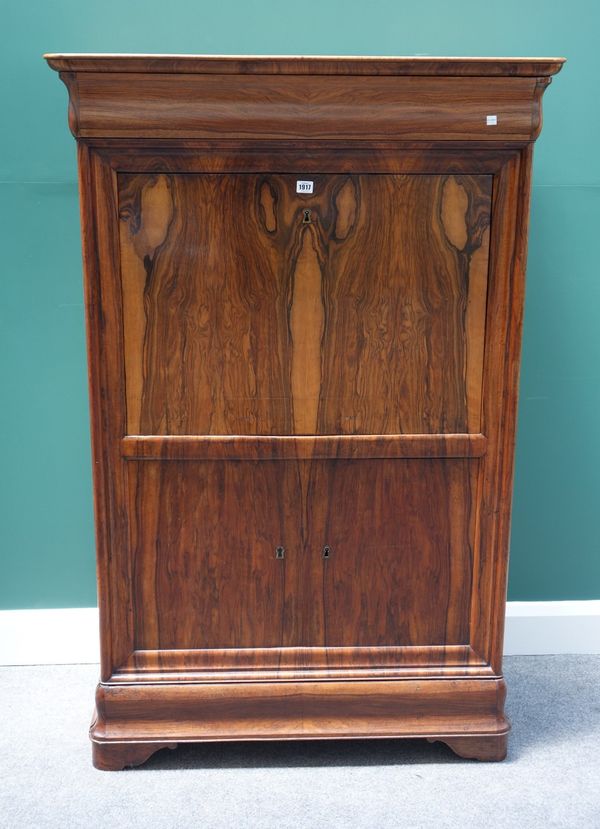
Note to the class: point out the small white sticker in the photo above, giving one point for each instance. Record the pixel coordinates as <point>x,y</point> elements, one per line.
<point>304,187</point>
<point>491,120</point>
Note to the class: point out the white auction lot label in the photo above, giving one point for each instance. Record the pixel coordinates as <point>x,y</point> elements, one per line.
<point>304,187</point>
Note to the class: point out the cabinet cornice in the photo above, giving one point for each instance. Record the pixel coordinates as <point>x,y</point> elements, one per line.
<point>404,99</point>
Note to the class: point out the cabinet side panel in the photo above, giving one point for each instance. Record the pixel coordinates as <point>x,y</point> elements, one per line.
<point>100,461</point>
<point>107,404</point>
<point>500,393</point>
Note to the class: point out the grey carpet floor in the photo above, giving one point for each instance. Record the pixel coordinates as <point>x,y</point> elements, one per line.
<point>550,779</point>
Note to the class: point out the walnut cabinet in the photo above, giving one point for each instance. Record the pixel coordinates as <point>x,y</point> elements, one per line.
<point>304,291</point>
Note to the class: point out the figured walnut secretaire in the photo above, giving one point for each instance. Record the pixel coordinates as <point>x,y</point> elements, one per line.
<point>304,291</point>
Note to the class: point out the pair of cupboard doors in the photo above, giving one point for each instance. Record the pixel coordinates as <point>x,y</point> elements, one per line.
<point>303,343</point>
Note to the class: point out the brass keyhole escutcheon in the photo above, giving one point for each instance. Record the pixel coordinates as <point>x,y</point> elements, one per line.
<point>306,218</point>
<point>326,551</point>
<point>280,552</point>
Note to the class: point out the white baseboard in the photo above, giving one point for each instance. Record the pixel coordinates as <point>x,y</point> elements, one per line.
<point>552,627</point>
<point>54,637</point>
<point>49,637</point>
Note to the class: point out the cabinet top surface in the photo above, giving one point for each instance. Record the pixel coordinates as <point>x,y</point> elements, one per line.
<point>307,65</point>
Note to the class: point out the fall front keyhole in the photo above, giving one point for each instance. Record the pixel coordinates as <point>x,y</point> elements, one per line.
<point>306,219</point>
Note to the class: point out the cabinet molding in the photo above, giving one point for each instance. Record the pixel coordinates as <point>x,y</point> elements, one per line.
<point>252,447</point>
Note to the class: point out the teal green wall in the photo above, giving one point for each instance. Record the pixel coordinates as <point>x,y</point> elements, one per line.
<point>46,536</point>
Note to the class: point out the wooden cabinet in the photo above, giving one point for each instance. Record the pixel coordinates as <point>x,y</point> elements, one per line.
<point>304,291</point>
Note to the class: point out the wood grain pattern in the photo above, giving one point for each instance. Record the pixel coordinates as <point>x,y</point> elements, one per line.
<point>257,381</point>
<point>310,710</point>
<point>206,575</point>
<point>202,580</point>
<point>400,575</point>
<point>319,337</point>
<point>310,157</point>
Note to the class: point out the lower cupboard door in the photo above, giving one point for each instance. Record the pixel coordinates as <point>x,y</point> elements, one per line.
<point>399,539</point>
<point>211,546</point>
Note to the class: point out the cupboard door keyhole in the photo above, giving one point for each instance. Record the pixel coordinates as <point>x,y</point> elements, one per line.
<point>306,219</point>
<point>280,552</point>
<point>326,551</point>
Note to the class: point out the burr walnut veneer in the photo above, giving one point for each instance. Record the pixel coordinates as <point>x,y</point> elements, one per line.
<point>304,292</point>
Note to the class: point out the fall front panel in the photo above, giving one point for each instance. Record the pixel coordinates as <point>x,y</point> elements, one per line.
<point>250,309</point>
<point>206,572</point>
